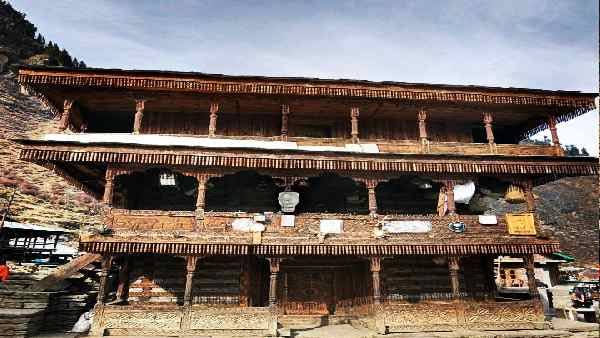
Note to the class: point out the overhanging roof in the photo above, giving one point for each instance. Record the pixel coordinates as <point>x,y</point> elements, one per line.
<point>114,90</point>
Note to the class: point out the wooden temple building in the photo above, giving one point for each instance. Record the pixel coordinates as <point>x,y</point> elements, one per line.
<point>237,203</point>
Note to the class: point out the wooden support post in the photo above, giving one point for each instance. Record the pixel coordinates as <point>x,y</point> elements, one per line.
<point>454,268</point>
<point>108,186</point>
<point>245,282</point>
<point>529,262</point>
<point>529,198</point>
<point>65,118</point>
<point>554,135</point>
<point>375,267</point>
<point>189,280</point>
<point>422,118</point>
<point>212,124</point>
<point>105,269</point>
<point>285,112</point>
<point>371,185</point>
<point>354,113</point>
<point>274,269</point>
<point>123,287</point>
<point>488,119</point>
<point>139,115</point>
<point>200,199</point>
<point>450,195</point>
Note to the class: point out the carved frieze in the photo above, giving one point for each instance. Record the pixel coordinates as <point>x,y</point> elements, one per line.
<point>155,319</point>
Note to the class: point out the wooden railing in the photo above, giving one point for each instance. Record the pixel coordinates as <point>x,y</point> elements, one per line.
<point>307,223</point>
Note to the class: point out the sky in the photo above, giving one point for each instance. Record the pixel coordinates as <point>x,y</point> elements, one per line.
<point>543,44</point>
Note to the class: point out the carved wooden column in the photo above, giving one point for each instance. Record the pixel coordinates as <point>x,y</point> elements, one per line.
<point>454,268</point>
<point>274,268</point>
<point>212,124</point>
<point>450,195</point>
<point>285,112</point>
<point>529,262</point>
<point>371,185</point>
<point>354,113</point>
<point>123,286</point>
<point>107,198</point>
<point>65,118</point>
<point>189,280</point>
<point>245,282</point>
<point>139,115</point>
<point>554,135</point>
<point>200,199</point>
<point>422,118</point>
<point>488,119</point>
<point>375,269</point>
<point>529,198</point>
<point>105,269</point>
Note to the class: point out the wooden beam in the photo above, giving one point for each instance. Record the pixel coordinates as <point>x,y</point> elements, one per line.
<point>189,280</point>
<point>212,124</point>
<point>375,266</point>
<point>65,118</point>
<point>285,112</point>
<point>274,270</point>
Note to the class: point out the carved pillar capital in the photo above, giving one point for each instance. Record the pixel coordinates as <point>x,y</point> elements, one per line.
<point>212,124</point>
<point>354,114</point>
<point>65,118</point>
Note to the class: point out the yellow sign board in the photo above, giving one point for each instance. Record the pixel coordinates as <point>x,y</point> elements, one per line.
<point>520,224</point>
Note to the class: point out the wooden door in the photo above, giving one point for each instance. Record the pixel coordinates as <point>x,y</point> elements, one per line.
<point>309,292</point>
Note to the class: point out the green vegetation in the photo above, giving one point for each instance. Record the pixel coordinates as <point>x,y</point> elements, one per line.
<point>21,42</point>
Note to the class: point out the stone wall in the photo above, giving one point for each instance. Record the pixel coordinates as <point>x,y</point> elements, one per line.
<point>25,313</point>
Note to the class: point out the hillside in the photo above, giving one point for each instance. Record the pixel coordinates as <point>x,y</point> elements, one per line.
<point>41,196</point>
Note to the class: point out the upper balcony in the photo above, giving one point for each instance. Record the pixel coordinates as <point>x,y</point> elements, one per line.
<point>316,114</point>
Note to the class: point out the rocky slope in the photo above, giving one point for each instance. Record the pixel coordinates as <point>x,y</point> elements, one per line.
<point>40,196</point>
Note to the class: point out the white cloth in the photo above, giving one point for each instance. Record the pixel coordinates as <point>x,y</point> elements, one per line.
<point>331,226</point>
<point>464,192</point>
<point>84,323</point>
<point>488,219</point>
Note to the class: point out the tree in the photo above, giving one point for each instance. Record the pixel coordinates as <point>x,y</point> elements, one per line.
<point>584,152</point>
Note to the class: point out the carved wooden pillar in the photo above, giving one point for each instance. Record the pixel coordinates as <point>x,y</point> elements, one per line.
<point>274,268</point>
<point>450,195</point>
<point>212,124</point>
<point>200,199</point>
<point>422,118</point>
<point>529,262</point>
<point>375,269</point>
<point>139,115</point>
<point>108,187</point>
<point>123,286</point>
<point>454,268</point>
<point>245,282</point>
<point>65,118</point>
<point>285,112</point>
<point>371,185</point>
<point>105,269</point>
<point>354,113</point>
<point>488,119</point>
<point>554,135</point>
<point>189,280</point>
<point>529,198</point>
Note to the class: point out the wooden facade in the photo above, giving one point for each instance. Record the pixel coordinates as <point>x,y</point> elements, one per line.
<point>190,167</point>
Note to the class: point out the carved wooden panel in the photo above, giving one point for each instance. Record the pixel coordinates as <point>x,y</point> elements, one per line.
<point>309,292</point>
<point>501,312</point>
<point>246,318</point>
<point>151,318</point>
<point>140,220</point>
